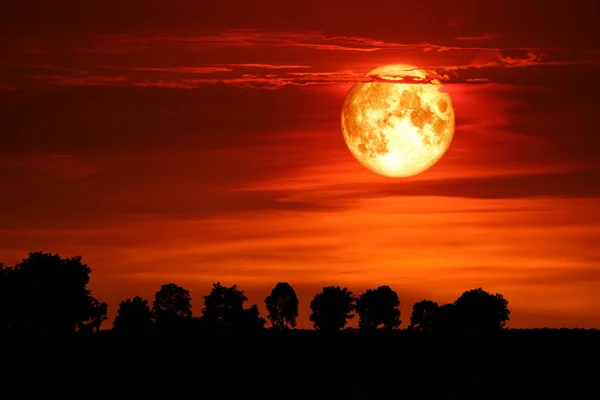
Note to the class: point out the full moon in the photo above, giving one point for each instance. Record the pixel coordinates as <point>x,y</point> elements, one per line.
<point>398,129</point>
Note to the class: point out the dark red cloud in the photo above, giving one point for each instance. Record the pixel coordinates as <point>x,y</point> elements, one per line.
<point>485,63</point>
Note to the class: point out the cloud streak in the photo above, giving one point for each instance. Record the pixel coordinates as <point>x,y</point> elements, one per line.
<point>183,77</point>
<point>256,38</point>
<point>245,38</point>
<point>572,184</point>
<point>486,61</point>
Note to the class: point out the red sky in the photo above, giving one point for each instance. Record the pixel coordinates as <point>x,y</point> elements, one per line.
<point>187,142</point>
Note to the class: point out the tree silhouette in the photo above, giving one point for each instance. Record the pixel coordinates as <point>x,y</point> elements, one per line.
<point>252,320</point>
<point>282,306</point>
<point>46,293</point>
<point>445,320</point>
<point>7,298</point>
<point>378,307</point>
<point>224,310</point>
<point>172,306</point>
<point>422,316</point>
<point>332,308</point>
<point>134,317</point>
<point>98,315</point>
<point>481,312</point>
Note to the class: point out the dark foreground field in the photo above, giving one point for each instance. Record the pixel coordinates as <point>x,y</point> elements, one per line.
<point>307,365</point>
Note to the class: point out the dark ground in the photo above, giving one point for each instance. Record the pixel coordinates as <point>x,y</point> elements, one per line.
<point>308,365</point>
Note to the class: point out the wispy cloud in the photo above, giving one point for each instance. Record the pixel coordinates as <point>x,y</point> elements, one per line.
<point>177,70</point>
<point>250,71</point>
<point>316,40</point>
<point>182,77</point>
<point>91,80</point>
<point>256,38</point>
<point>210,68</point>
<point>263,66</point>
<point>243,38</point>
<point>480,38</point>
<point>572,184</point>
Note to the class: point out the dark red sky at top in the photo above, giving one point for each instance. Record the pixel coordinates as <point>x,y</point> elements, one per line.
<point>192,142</point>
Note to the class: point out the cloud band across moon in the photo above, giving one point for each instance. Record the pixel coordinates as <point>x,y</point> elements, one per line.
<point>287,64</point>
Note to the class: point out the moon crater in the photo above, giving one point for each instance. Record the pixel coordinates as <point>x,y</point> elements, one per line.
<point>398,129</point>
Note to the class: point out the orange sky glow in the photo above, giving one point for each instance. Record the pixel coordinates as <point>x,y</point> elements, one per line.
<point>192,143</point>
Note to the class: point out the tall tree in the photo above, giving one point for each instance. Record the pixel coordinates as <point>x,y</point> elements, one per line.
<point>378,307</point>
<point>332,308</point>
<point>422,316</point>
<point>480,312</point>
<point>172,306</point>
<point>47,294</point>
<point>134,317</point>
<point>282,306</point>
<point>224,310</point>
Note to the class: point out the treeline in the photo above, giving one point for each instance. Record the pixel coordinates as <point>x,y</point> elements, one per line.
<point>48,294</point>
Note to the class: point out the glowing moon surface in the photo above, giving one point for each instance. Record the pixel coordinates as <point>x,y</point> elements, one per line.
<point>398,129</point>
